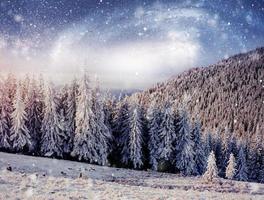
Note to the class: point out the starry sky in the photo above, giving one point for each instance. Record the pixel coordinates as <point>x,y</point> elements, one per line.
<point>128,44</point>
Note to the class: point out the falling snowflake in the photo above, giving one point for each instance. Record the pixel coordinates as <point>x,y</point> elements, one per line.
<point>18,18</point>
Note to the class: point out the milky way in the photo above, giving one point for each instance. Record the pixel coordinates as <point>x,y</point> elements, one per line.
<point>129,44</point>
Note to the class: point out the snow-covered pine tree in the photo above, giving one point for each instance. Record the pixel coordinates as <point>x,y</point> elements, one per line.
<point>242,169</point>
<point>135,136</point>
<point>255,158</point>
<point>120,130</point>
<point>217,148</point>
<point>211,170</point>
<point>101,131</point>
<point>20,137</point>
<point>199,156</point>
<point>185,160</point>
<point>167,134</point>
<point>33,107</point>
<point>108,107</point>
<point>52,135</point>
<point>90,143</point>
<point>231,167</point>
<point>5,118</point>
<point>62,107</point>
<point>208,144</point>
<point>233,145</point>
<point>41,94</point>
<point>70,113</point>
<point>154,118</point>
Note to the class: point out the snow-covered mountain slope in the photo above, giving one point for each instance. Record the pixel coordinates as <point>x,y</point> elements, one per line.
<point>228,94</point>
<point>26,177</point>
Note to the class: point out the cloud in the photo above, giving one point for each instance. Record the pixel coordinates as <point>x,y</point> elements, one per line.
<point>127,64</point>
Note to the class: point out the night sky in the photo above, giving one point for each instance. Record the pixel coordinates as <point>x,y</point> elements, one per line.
<point>129,44</point>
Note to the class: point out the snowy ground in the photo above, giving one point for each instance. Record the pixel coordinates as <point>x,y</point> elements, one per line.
<point>44,178</point>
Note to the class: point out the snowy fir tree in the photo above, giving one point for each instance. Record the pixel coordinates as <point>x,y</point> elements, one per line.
<point>120,130</point>
<point>154,118</point>
<point>208,144</point>
<point>20,137</point>
<point>84,147</point>
<point>185,158</point>
<point>52,134</point>
<point>8,90</point>
<point>90,143</point>
<point>70,113</point>
<point>199,157</point>
<point>136,136</point>
<point>33,106</point>
<point>167,134</point>
<point>255,156</point>
<point>132,139</point>
<point>5,118</point>
<point>101,131</point>
<point>242,169</point>
<point>231,167</point>
<point>211,170</point>
<point>62,108</point>
<point>217,148</point>
<point>108,116</point>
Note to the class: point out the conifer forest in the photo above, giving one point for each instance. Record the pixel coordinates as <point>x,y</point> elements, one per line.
<point>80,121</point>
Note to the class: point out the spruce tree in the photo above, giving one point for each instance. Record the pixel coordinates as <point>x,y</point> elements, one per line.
<point>90,143</point>
<point>108,109</point>
<point>136,136</point>
<point>208,144</point>
<point>256,153</point>
<point>132,139</point>
<point>231,167</point>
<point>211,170</point>
<point>70,113</point>
<point>242,169</point>
<point>167,134</point>
<point>52,134</point>
<point>154,120</point>
<point>33,107</point>
<point>62,108</point>
<point>185,158</point>
<point>5,118</point>
<point>199,157</point>
<point>120,130</point>
<point>102,132</point>
<point>217,148</point>
<point>20,137</point>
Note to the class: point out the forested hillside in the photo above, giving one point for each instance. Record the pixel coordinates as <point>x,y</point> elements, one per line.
<point>229,94</point>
